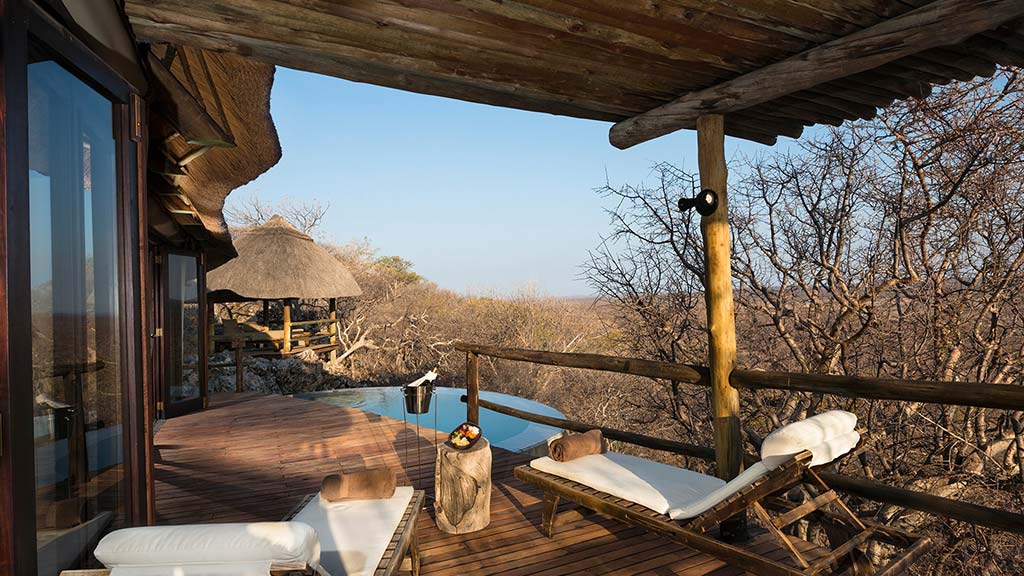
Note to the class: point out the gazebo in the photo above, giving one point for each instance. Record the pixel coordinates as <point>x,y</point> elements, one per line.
<point>278,262</point>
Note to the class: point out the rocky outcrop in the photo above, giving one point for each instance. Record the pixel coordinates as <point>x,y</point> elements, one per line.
<point>303,372</point>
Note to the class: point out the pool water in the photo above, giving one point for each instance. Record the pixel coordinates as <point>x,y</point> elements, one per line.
<point>501,430</point>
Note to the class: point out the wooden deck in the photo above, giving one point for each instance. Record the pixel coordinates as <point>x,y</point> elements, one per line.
<point>253,457</point>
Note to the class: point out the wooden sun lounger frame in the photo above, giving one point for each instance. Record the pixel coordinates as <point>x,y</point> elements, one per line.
<point>845,531</point>
<point>404,546</point>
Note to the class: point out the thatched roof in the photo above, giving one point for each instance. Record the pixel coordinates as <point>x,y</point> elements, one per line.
<point>235,92</point>
<point>622,61</point>
<point>276,261</point>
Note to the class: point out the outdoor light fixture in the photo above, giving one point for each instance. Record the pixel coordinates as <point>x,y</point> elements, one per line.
<point>705,202</point>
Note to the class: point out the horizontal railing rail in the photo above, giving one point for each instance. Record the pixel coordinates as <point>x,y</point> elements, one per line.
<point>681,448</point>
<point>950,393</point>
<point>634,366</point>
<point>982,395</point>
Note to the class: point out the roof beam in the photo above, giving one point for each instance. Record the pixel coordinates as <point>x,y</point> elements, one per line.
<point>184,111</point>
<point>940,23</point>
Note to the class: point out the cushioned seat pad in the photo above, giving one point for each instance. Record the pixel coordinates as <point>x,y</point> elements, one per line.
<point>660,487</point>
<point>244,547</point>
<point>355,534</point>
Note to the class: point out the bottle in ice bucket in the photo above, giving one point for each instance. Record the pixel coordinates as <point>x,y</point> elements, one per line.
<point>418,393</point>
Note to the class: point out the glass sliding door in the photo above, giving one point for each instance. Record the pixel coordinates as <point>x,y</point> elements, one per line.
<point>183,335</point>
<point>75,315</point>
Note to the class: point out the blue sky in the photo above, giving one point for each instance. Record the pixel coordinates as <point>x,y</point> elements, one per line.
<point>481,199</point>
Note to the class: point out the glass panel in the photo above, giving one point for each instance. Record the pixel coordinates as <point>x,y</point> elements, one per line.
<point>76,349</point>
<point>182,322</point>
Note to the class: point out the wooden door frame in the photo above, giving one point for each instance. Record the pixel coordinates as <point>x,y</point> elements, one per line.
<point>25,23</point>
<point>169,410</point>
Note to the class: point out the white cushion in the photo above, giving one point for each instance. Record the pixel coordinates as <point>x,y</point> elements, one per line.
<point>828,436</point>
<point>355,534</point>
<point>660,487</point>
<point>253,544</point>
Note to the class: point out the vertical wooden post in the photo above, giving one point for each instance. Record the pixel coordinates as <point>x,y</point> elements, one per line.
<point>472,388</point>
<point>266,313</point>
<point>207,350</point>
<point>211,319</point>
<point>287,309</point>
<point>721,319</point>
<point>239,368</point>
<point>332,315</point>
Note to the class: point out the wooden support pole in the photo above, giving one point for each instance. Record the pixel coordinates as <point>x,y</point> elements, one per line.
<point>287,309</point>
<point>211,320</point>
<point>472,388</point>
<point>266,313</point>
<point>332,314</point>
<point>239,367</point>
<point>725,400</point>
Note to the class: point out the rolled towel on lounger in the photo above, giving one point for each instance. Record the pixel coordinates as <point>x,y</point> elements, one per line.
<point>369,484</point>
<point>573,446</point>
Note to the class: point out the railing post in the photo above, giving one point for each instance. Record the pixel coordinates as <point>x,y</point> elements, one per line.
<point>472,388</point>
<point>725,401</point>
<point>332,315</point>
<point>239,367</point>
<point>287,309</point>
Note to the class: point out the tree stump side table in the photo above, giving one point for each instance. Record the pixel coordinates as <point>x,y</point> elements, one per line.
<point>462,488</point>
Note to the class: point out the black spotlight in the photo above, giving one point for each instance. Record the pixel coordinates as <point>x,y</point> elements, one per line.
<point>705,202</point>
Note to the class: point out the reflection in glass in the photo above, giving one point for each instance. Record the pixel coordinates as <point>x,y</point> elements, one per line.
<point>76,372</point>
<point>182,321</point>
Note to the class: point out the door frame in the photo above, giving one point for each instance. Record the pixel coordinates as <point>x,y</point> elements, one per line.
<point>25,23</point>
<point>161,285</point>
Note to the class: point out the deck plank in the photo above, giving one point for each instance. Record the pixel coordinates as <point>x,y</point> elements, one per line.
<point>252,458</point>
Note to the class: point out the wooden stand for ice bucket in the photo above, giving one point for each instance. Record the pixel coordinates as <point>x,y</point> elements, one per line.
<point>462,488</point>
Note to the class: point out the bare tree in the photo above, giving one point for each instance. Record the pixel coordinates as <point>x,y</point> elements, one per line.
<point>252,211</point>
<point>889,247</point>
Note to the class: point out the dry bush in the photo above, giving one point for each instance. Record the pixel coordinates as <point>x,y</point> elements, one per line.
<point>893,248</point>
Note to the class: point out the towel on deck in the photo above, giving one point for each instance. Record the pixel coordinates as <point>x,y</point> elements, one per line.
<point>369,484</point>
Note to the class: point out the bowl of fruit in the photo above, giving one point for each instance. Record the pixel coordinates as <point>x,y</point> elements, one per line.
<point>465,436</point>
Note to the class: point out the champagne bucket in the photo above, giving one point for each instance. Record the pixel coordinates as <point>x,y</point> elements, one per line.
<point>417,398</point>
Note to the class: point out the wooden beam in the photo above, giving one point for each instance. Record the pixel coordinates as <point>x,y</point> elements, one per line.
<point>721,316</point>
<point>939,23</point>
<point>982,395</point>
<point>929,503</point>
<point>635,366</point>
<point>184,111</point>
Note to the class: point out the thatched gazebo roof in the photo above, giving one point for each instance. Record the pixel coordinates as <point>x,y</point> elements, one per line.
<point>275,261</point>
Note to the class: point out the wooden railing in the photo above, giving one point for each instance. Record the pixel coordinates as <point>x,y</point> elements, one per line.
<point>681,448</point>
<point>1001,396</point>
<point>950,393</point>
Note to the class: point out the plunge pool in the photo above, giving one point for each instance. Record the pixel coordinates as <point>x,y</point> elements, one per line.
<point>501,430</point>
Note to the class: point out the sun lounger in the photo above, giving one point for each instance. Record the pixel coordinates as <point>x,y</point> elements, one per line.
<point>683,505</point>
<point>365,537</point>
<point>351,538</point>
